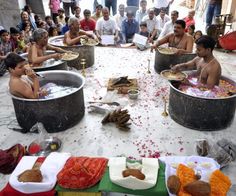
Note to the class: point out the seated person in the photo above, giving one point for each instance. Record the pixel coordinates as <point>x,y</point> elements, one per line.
<point>152,24</point>
<point>197,35</point>
<point>73,36</point>
<point>23,80</point>
<point>144,32</point>
<point>65,28</point>
<point>106,25</point>
<point>129,28</point>
<point>189,20</point>
<point>87,24</point>
<point>14,38</point>
<point>208,68</point>
<point>191,30</point>
<point>61,17</point>
<point>98,13</point>
<point>5,48</point>
<point>36,54</point>
<point>179,39</point>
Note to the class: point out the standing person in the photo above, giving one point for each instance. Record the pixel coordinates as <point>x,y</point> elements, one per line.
<point>54,6</point>
<point>152,24</point>
<point>77,11</point>
<point>111,4</point>
<point>158,4</point>
<point>98,12</point>
<point>178,39</point>
<point>68,5</point>
<point>213,9</point>
<point>132,3</point>
<point>141,12</point>
<point>169,26</point>
<point>61,17</point>
<point>119,17</point>
<point>5,48</point>
<point>106,25</point>
<point>129,27</point>
<point>87,24</point>
<point>189,20</point>
<point>162,18</point>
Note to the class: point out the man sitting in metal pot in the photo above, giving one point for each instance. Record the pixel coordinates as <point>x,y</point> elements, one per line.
<point>179,39</point>
<point>23,80</point>
<point>37,50</point>
<point>208,68</point>
<point>75,34</point>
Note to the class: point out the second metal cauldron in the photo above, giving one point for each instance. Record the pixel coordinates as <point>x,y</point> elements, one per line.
<point>163,61</point>
<point>85,52</point>
<point>50,64</point>
<point>57,114</point>
<point>204,114</point>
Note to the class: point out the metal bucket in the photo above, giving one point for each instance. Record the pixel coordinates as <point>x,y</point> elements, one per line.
<point>50,64</point>
<point>204,114</point>
<point>163,61</point>
<point>85,52</point>
<point>56,114</point>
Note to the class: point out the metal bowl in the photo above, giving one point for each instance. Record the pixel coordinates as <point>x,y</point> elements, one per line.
<point>133,93</point>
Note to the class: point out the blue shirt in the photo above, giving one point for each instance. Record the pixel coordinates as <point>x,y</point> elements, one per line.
<point>64,29</point>
<point>129,28</point>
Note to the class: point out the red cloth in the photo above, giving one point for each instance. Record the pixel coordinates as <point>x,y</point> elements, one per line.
<point>9,191</point>
<point>88,25</point>
<point>188,22</point>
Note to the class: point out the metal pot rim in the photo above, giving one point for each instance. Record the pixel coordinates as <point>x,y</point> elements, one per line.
<point>49,99</point>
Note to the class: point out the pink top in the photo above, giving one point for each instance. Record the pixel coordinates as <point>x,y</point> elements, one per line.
<point>188,22</point>
<point>54,5</point>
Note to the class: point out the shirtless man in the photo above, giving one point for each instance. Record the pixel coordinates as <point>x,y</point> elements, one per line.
<point>179,39</point>
<point>23,80</point>
<point>208,68</point>
<point>36,54</point>
<point>73,36</point>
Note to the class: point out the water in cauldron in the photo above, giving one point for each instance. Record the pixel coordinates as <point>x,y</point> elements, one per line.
<point>55,91</point>
<point>225,89</point>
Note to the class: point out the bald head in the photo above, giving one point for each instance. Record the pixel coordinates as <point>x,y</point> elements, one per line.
<point>105,13</point>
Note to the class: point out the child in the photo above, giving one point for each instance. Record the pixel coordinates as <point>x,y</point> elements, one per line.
<point>144,32</point>
<point>21,44</point>
<point>14,38</point>
<point>5,48</point>
<point>23,80</point>
<point>52,31</point>
<point>197,35</point>
<point>27,32</point>
<point>191,29</point>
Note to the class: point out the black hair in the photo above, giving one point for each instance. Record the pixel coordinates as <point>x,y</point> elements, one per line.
<point>192,26</point>
<point>76,7</point>
<point>50,30</point>
<point>143,24</point>
<point>13,30</point>
<point>181,22</point>
<point>67,18</point>
<point>48,17</point>
<point>86,11</point>
<point>3,31</point>
<point>163,9</point>
<point>143,1</point>
<point>61,10</point>
<point>99,5</point>
<point>206,41</point>
<point>12,60</point>
<point>196,33</point>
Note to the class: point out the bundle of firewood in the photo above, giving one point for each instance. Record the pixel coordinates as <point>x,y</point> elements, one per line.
<point>119,117</point>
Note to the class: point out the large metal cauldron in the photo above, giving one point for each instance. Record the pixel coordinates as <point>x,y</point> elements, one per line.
<point>50,64</point>
<point>56,114</point>
<point>163,61</point>
<point>204,114</point>
<point>85,52</point>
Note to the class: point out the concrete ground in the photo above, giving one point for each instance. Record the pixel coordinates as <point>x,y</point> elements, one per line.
<point>150,133</point>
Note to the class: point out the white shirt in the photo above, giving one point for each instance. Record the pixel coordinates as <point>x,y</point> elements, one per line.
<point>161,3</point>
<point>140,14</point>
<point>151,24</point>
<point>119,19</point>
<point>106,27</point>
<point>162,22</point>
<point>167,29</point>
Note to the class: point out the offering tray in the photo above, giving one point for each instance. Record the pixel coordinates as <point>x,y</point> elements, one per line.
<point>167,51</point>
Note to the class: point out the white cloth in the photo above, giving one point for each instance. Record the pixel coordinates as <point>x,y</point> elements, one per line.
<point>106,27</point>
<point>161,3</point>
<point>140,14</point>
<point>151,24</point>
<point>162,22</point>
<point>150,168</point>
<point>119,19</point>
<point>203,164</point>
<point>167,29</point>
<point>49,169</point>
<point>66,1</point>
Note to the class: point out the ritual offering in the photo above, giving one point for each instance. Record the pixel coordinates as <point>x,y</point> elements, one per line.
<point>133,93</point>
<point>31,175</point>
<point>122,84</point>
<point>173,76</point>
<point>81,172</point>
<point>137,176</point>
<point>119,117</point>
<point>88,42</point>
<point>198,188</point>
<point>173,184</point>
<point>168,51</point>
<point>69,56</point>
